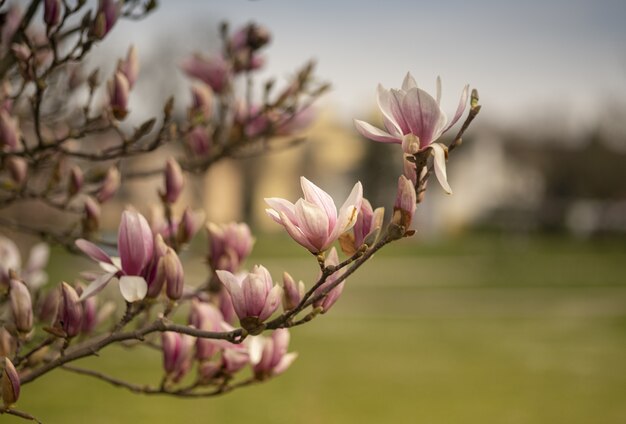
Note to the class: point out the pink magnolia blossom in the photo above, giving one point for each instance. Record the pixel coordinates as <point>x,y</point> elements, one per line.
<point>229,245</point>
<point>333,295</point>
<point>313,221</point>
<point>177,354</point>
<point>405,204</point>
<point>106,17</point>
<point>214,71</point>
<point>52,12</point>
<point>70,315</point>
<point>269,356</point>
<point>135,244</point>
<point>32,273</point>
<point>254,295</point>
<point>10,384</point>
<point>130,66</point>
<point>205,316</point>
<point>174,181</point>
<point>413,118</point>
<point>21,306</point>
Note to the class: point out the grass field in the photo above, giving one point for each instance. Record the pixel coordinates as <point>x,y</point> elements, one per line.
<point>476,330</point>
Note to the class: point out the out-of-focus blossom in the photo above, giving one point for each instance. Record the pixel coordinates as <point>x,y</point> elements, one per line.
<point>130,66</point>
<point>49,307</point>
<point>253,120</point>
<point>214,71</point>
<point>91,218</point>
<point>135,244</point>
<point>189,224</point>
<point>75,181</point>
<point>32,273</point>
<point>227,309</point>
<point>174,181</point>
<point>255,297</point>
<point>155,273</point>
<point>177,354</point>
<point>199,140</point>
<point>413,118</point>
<point>205,316</point>
<point>292,292</point>
<point>11,22</point>
<point>89,312</point>
<point>365,229</point>
<point>106,17</point>
<point>119,90</point>
<point>313,221</point>
<point>333,295</point>
<point>250,36</point>
<point>21,306</point>
<point>9,131</point>
<point>405,204</point>
<point>229,245</point>
<point>269,356</point>
<point>18,169</point>
<point>10,384</point>
<point>70,316</point>
<point>8,344</point>
<point>52,12</point>
<point>110,185</point>
<point>234,359</point>
<point>201,102</point>
<point>289,124</point>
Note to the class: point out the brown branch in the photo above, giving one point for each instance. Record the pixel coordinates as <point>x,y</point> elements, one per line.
<point>17,413</point>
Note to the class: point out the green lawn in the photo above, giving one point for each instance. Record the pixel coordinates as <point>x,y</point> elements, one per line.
<point>477,330</point>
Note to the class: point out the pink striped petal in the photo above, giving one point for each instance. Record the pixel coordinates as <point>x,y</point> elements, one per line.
<point>96,286</point>
<point>273,300</point>
<point>93,251</point>
<point>313,222</point>
<point>319,197</point>
<point>439,163</point>
<point>373,133</point>
<point>460,108</point>
<point>233,285</point>
<point>408,82</point>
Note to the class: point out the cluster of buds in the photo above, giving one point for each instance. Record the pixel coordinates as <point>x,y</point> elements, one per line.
<point>229,245</point>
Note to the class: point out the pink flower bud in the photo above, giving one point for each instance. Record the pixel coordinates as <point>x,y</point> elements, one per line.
<point>405,205</point>
<point>118,95</point>
<point>255,297</point>
<point>70,314</point>
<point>76,180</point>
<point>91,218</point>
<point>135,243</point>
<point>174,275</point>
<point>367,223</point>
<point>234,359</point>
<point>52,12</point>
<point>226,307</point>
<point>130,66</point>
<point>271,357</point>
<point>189,225</point>
<point>251,36</point>
<point>106,16</point>
<point>9,131</point>
<point>21,306</point>
<point>199,141</point>
<point>49,307</point>
<point>155,277</point>
<point>229,245</point>
<point>332,296</point>
<point>214,71</point>
<point>205,316</point>
<point>174,181</point>
<point>10,384</point>
<point>176,354</point>
<point>201,101</point>
<point>90,315</point>
<point>292,292</point>
<point>18,169</point>
<point>110,185</point>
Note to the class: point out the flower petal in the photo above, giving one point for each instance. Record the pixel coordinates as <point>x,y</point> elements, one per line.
<point>133,288</point>
<point>93,251</point>
<point>423,115</point>
<point>408,82</point>
<point>438,95</point>
<point>135,242</point>
<point>389,102</point>
<point>255,348</point>
<point>373,133</point>
<point>280,205</point>
<point>272,302</point>
<point>439,163</point>
<point>349,211</point>
<point>96,285</point>
<point>313,222</point>
<point>233,285</point>
<point>460,108</point>
<point>319,197</point>
<point>284,363</point>
<point>297,234</point>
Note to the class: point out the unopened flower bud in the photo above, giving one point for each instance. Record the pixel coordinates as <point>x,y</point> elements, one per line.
<point>130,66</point>
<point>201,101</point>
<point>174,181</point>
<point>333,295</point>
<point>199,141</point>
<point>18,169</point>
<point>292,292</point>
<point>90,315</point>
<point>189,224</point>
<point>70,311</point>
<point>107,14</point>
<point>176,354</point>
<point>110,185</point>
<point>405,205</point>
<point>91,218</point>
<point>10,384</point>
<point>9,131</point>
<point>76,180</point>
<point>214,71</point>
<point>155,277</point>
<point>22,52</point>
<point>252,36</point>
<point>174,275</point>
<point>49,307</point>
<point>52,12</point>
<point>22,306</point>
<point>8,344</point>
<point>118,95</point>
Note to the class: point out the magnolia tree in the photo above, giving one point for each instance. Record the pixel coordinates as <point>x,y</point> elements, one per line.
<point>65,148</point>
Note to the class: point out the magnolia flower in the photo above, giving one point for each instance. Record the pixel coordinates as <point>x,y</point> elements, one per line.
<point>413,118</point>
<point>314,221</point>
<point>229,245</point>
<point>177,354</point>
<point>269,356</point>
<point>214,71</point>
<point>135,244</point>
<point>32,273</point>
<point>255,297</point>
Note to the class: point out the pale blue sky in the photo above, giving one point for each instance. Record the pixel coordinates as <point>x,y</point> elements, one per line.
<point>528,59</point>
